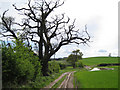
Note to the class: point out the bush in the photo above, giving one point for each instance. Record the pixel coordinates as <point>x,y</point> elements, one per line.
<point>62,65</point>
<point>19,64</point>
<point>79,64</point>
<point>53,67</point>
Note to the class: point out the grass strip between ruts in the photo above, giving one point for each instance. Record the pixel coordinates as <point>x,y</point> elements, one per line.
<point>56,85</point>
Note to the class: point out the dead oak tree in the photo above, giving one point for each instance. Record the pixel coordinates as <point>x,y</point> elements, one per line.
<point>52,32</point>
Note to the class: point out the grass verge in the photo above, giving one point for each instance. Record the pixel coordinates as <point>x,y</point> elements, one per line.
<point>41,82</point>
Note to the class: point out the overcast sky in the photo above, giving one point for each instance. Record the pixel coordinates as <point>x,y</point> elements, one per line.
<point>101,17</point>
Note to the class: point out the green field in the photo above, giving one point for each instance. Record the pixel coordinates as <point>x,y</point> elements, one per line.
<point>97,79</point>
<point>99,60</point>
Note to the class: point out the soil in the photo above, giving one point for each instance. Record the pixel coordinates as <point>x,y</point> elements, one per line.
<point>70,82</point>
<point>67,83</point>
<point>52,83</point>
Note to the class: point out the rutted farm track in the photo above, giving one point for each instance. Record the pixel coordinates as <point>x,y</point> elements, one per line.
<point>67,82</point>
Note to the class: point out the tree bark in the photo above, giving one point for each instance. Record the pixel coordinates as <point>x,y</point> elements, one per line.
<point>74,65</point>
<point>44,63</point>
<point>40,49</point>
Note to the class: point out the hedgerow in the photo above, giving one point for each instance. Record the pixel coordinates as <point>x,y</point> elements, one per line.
<point>53,67</point>
<point>19,64</point>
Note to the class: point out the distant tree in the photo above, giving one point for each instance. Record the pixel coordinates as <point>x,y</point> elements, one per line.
<point>79,64</point>
<point>78,54</point>
<point>52,32</point>
<point>109,54</point>
<point>74,57</point>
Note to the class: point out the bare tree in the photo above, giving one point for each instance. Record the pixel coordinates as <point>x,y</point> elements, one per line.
<point>10,29</point>
<point>52,32</point>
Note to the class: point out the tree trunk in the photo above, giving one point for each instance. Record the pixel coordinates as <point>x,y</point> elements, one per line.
<point>45,68</point>
<point>74,65</point>
<point>44,63</point>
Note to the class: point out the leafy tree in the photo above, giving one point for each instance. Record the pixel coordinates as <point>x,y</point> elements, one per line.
<point>62,65</point>
<point>52,33</point>
<point>78,54</point>
<point>79,64</point>
<point>53,67</point>
<point>74,57</point>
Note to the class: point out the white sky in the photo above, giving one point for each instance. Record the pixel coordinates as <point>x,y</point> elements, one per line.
<point>101,17</point>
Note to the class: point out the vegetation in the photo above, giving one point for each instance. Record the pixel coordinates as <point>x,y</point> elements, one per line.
<point>22,68</point>
<point>99,60</point>
<point>19,64</point>
<point>78,54</point>
<point>79,64</point>
<point>59,82</point>
<point>53,67</point>
<point>97,79</point>
<point>62,65</point>
<point>42,81</point>
<point>37,22</point>
<point>74,57</point>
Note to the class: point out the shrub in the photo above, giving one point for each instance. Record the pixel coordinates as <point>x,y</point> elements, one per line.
<point>53,67</point>
<point>79,64</point>
<point>62,65</point>
<point>19,63</point>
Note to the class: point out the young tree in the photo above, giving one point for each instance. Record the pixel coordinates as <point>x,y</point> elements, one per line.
<point>52,32</point>
<point>74,57</point>
<point>77,53</point>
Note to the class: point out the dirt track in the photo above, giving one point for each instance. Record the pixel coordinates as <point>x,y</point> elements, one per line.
<point>52,83</point>
<point>67,83</point>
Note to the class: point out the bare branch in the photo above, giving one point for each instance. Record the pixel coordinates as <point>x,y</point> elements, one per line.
<point>19,9</point>
<point>32,39</point>
<point>8,26</point>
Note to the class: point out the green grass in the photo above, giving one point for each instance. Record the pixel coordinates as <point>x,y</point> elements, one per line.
<point>68,69</point>
<point>59,82</point>
<point>99,60</point>
<point>97,79</point>
<point>115,67</point>
<point>44,81</point>
<point>41,82</point>
<point>61,61</point>
<point>91,61</point>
